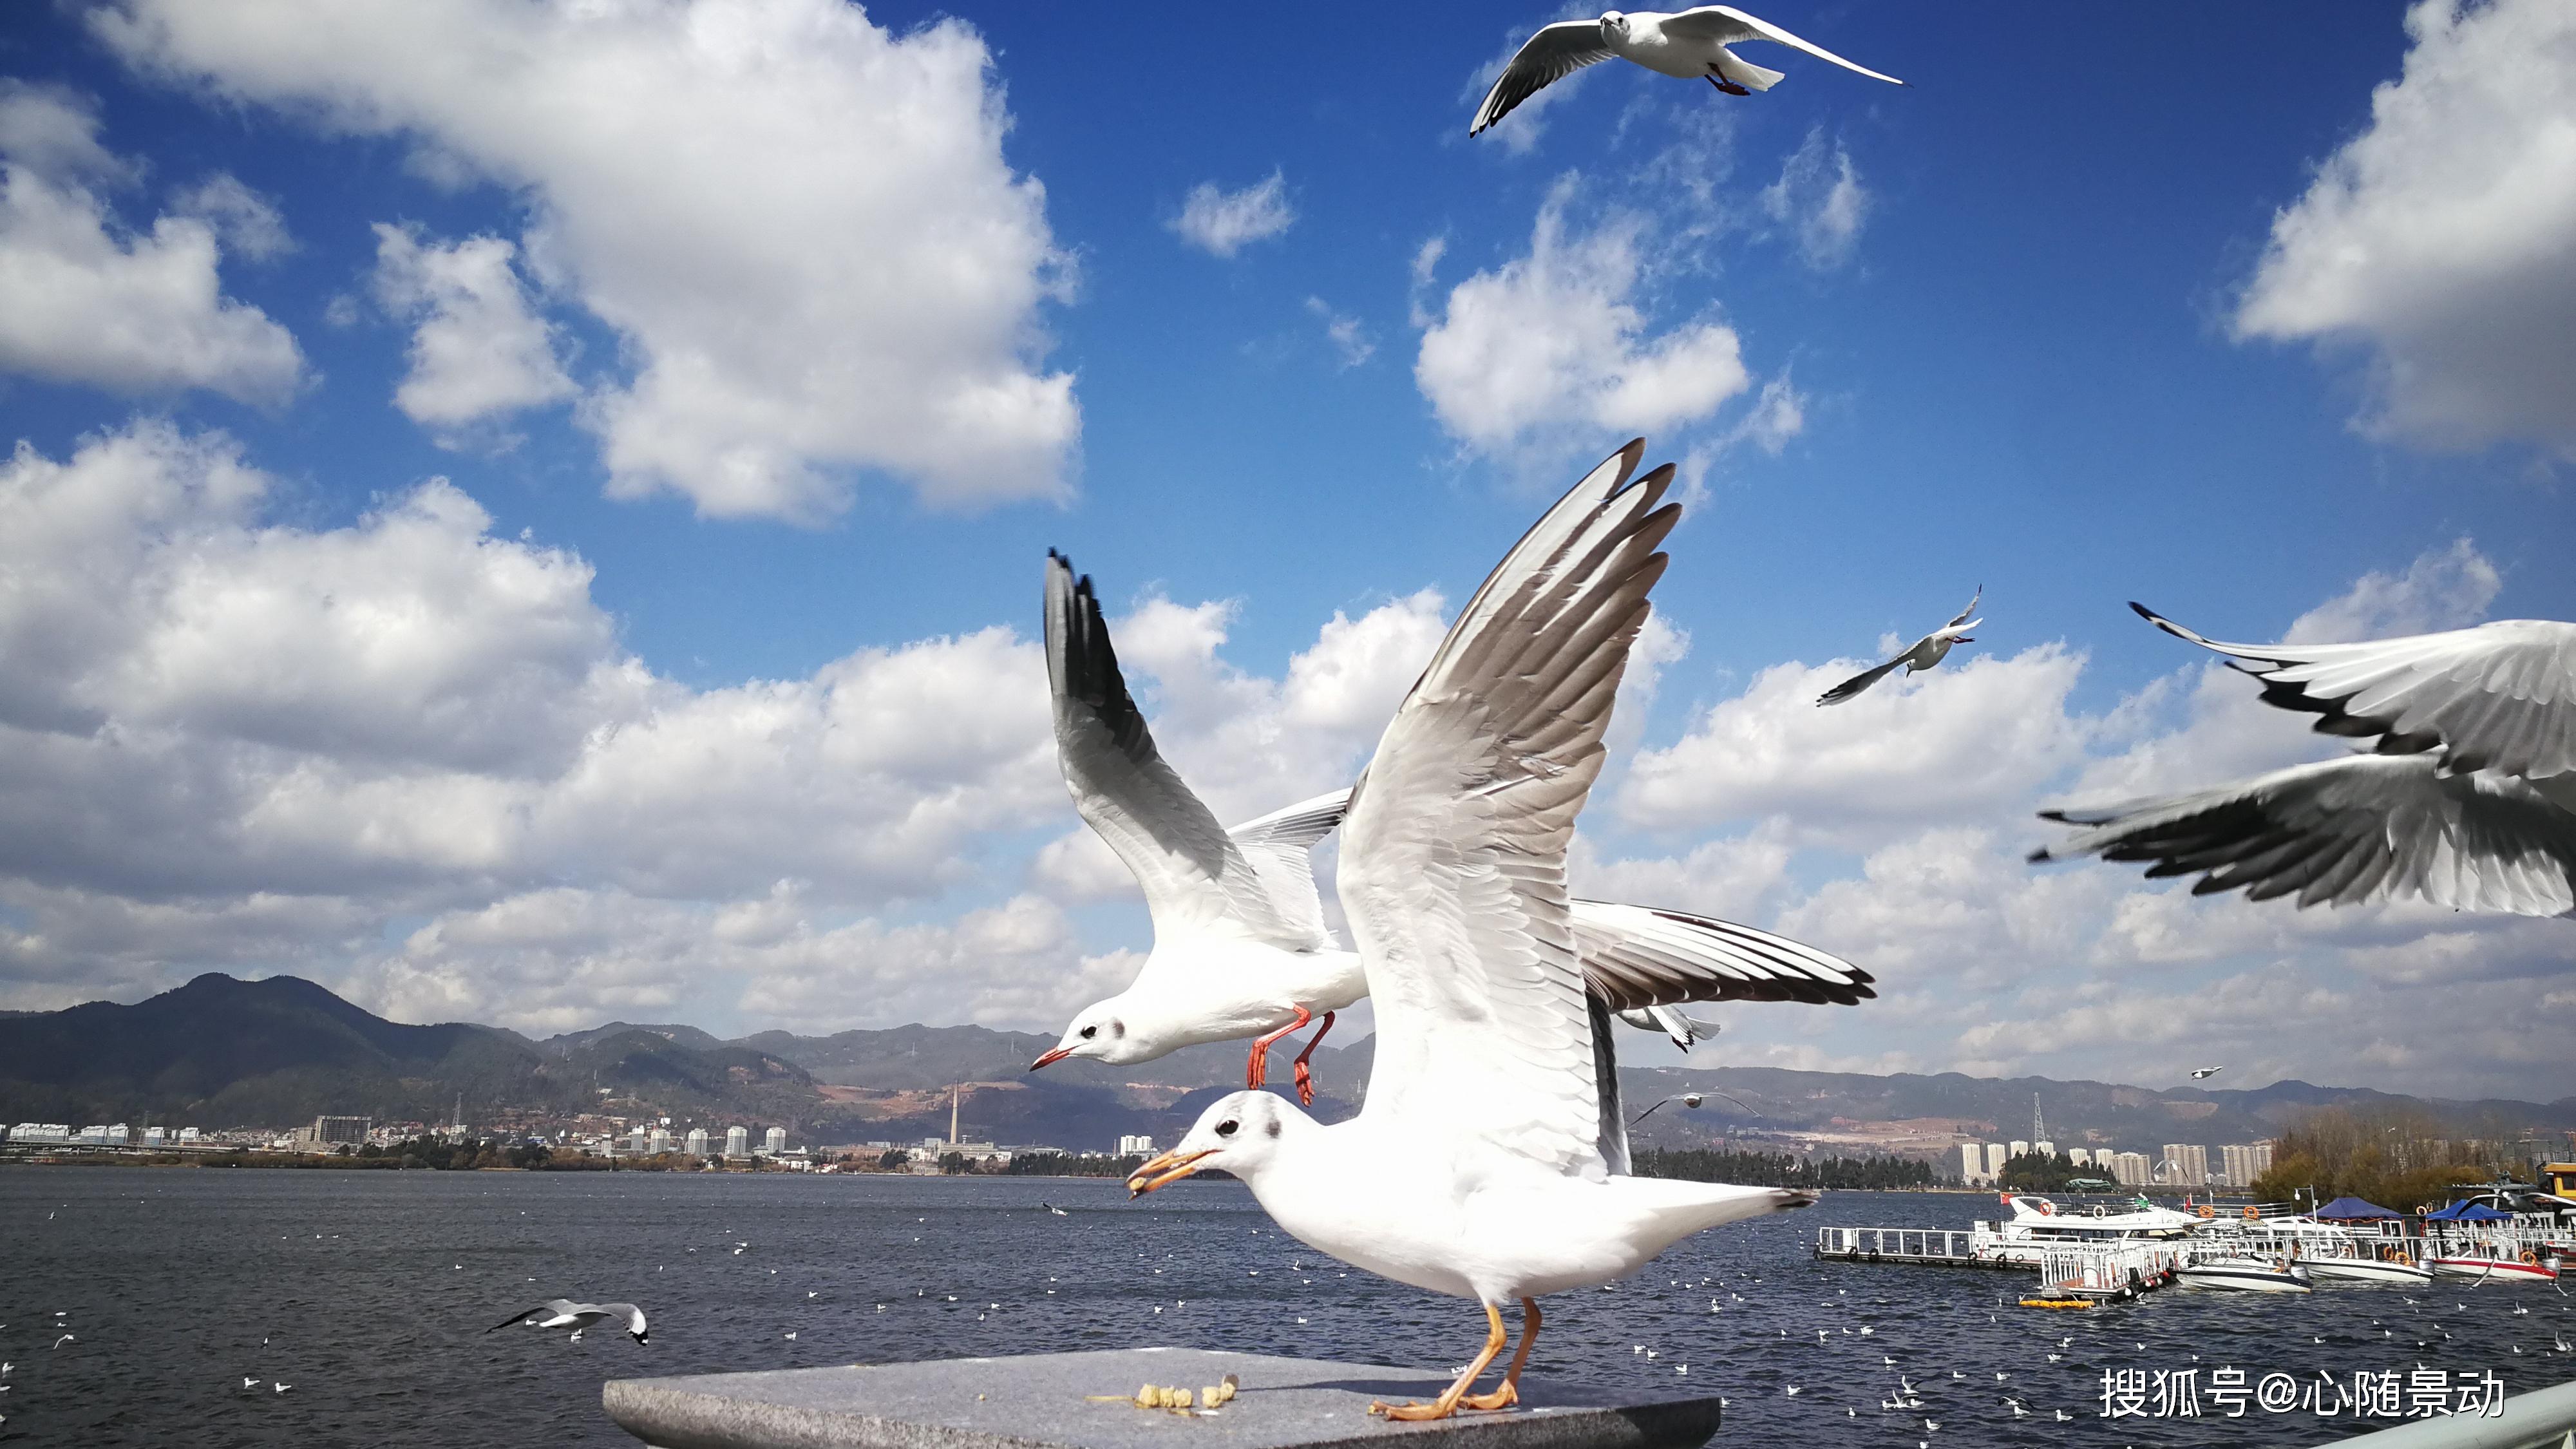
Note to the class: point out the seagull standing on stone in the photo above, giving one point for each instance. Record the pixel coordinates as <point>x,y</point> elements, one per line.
<point>564,1313</point>
<point>1489,1162</point>
<point>1240,945</point>
<point>1691,45</point>
<point>2469,801</point>
<point>1918,656</point>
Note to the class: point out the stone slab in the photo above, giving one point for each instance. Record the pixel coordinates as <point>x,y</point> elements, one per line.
<point>1040,1401</point>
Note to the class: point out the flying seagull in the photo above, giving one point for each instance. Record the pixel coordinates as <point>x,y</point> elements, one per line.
<point>1691,45</point>
<point>563,1312</point>
<point>2203,1073</point>
<point>1490,1161</point>
<point>1920,655</point>
<point>1682,1028</point>
<point>1240,946</point>
<point>2468,802</point>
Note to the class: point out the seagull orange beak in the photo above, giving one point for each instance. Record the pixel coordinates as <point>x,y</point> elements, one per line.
<point>1170,1167</point>
<point>1053,1054</point>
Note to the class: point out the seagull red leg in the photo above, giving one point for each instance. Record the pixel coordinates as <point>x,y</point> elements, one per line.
<point>1305,1078</point>
<point>1256,1072</point>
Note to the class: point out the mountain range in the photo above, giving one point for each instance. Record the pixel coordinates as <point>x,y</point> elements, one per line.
<point>220,1052</point>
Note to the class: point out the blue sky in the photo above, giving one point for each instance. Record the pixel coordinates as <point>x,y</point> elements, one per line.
<point>699,688</point>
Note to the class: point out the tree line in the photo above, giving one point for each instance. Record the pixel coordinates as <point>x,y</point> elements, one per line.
<point>1782,1169</point>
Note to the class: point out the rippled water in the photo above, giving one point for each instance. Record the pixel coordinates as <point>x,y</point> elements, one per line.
<point>369,1293</point>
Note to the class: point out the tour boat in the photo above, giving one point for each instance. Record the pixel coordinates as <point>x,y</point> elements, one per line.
<point>2474,1263</point>
<point>2038,1224</point>
<point>2261,1275</point>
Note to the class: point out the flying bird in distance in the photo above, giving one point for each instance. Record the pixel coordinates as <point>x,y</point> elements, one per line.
<point>1918,656</point>
<point>2202,1073</point>
<point>2468,799</point>
<point>1691,45</point>
<point>564,1313</point>
<point>1240,944</point>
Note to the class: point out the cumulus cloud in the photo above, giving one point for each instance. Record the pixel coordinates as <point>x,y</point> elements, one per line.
<point>84,301</point>
<point>1820,200</point>
<point>800,225</point>
<point>1558,341</point>
<point>477,349</point>
<point>2440,242</point>
<point>1221,222</point>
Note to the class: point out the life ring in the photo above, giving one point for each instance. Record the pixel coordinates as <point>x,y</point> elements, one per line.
<point>2207,1211</point>
<point>2531,1257</point>
<point>2251,1215</point>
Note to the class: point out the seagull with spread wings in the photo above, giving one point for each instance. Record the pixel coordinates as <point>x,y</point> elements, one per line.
<point>2469,801</point>
<point>2204,1073</point>
<point>1920,655</point>
<point>1240,945</point>
<point>1691,45</point>
<point>1490,1162</point>
<point>564,1313</point>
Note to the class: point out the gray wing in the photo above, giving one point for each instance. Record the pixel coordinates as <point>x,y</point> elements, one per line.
<point>1727,25</point>
<point>1193,874</point>
<point>552,1308</point>
<point>1453,858</point>
<point>1637,956</point>
<point>1556,52</point>
<point>1854,687</point>
<point>1681,1029</point>
<point>1281,849</point>
<point>2350,830</point>
<point>1962,616</point>
<point>2501,696</point>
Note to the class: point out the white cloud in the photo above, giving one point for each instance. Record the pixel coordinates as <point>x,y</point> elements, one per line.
<point>2441,240</point>
<point>1556,342</point>
<point>247,222</point>
<point>477,350</point>
<point>1221,222</point>
<point>1350,339</point>
<point>1820,199</point>
<point>800,225</point>
<point>83,301</point>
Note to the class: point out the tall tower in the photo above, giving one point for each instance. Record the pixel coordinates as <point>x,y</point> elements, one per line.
<point>953,1094</point>
<point>2038,1126</point>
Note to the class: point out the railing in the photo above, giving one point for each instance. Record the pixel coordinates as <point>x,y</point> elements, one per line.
<point>2099,1268</point>
<point>1892,1242</point>
<point>2541,1419</point>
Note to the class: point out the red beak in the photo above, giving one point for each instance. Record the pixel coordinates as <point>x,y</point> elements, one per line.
<point>1056,1055</point>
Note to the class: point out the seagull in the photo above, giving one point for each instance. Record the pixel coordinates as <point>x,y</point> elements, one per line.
<point>559,1312</point>
<point>1051,1207</point>
<point>1683,1029</point>
<point>2201,1074</point>
<point>283,1388</point>
<point>1240,946</point>
<point>1689,46</point>
<point>1490,1160</point>
<point>1918,656</point>
<point>66,1338</point>
<point>249,1383</point>
<point>2469,801</point>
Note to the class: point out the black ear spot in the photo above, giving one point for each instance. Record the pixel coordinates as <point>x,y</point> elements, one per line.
<point>1274,1127</point>
<point>1228,1128</point>
<point>1117,1028</point>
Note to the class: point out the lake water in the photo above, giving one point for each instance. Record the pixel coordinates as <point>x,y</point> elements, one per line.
<point>369,1293</point>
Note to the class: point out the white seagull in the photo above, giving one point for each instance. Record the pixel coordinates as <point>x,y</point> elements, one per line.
<point>1691,45</point>
<point>1918,656</point>
<point>2204,1073</point>
<point>1682,1028</point>
<point>1489,1162</point>
<point>2469,802</point>
<point>1240,946</point>
<point>563,1312</point>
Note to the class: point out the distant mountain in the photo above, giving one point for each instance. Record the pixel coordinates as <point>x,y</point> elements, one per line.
<point>219,1052</point>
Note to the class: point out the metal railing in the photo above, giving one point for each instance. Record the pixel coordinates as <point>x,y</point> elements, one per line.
<point>1892,1242</point>
<point>2541,1419</point>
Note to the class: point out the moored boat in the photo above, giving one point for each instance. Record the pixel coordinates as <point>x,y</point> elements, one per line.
<point>2261,1275</point>
<point>2528,1267</point>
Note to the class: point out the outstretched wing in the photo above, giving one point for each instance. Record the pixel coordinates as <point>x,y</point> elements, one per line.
<point>1194,876</point>
<point>1281,848</point>
<point>1854,687</point>
<point>1962,616</point>
<point>2348,830</point>
<point>1453,858</point>
<point>552,1308</point>
<point>2501,696</point>
<point>1727,25</point>
<point>1637,956</point>
<point>1554,53</point>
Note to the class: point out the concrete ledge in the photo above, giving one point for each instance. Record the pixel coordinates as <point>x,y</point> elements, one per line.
<point>1039,1402</point>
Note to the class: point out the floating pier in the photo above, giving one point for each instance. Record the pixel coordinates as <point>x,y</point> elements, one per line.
<point>2091,1272</point>
<point>1938,1247</point>
<point>1084,1401</point>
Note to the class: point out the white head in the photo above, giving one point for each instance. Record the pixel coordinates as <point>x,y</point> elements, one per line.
<point>1614,25</point>
<point>1107,1031</point>
<point>1239,1132</point>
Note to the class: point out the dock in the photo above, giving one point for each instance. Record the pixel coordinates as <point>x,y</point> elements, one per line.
<point>2069,1273</point>
<point>1936,1247</point>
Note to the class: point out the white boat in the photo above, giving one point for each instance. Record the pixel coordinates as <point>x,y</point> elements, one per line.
<point>2493,1266</point>
<point>2366,1270</point>
<point>2327,1250</point>
<point>2260,1275</point>
<point>2038,1225</point>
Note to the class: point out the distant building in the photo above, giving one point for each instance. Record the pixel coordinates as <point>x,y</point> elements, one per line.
<point>1972,1163</point>
<point>737,1141</point>
<point>660,1140</point>
<point>331,1131</point>
<point>188,1134</point>
<point>2190,1164</point>
<point>40,1132</point>
<point>115,1135</point>
<point>635,1140</point>
<point>2018,1148</point>
<point>2080,1156</point>
<point>2245,1161</point>
<point>2044,1149</point>
<point>697,1141</point>
<point>1995,1159</point>
<point>774,1141</point>
<point>1137,1146</point>
<point>2132,1169</point>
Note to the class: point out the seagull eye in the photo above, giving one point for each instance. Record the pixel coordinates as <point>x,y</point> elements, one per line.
<point>1089,1032</point>
<point>1227,1129</point>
